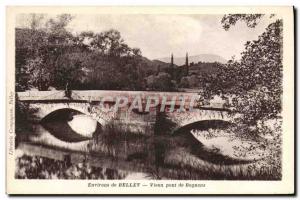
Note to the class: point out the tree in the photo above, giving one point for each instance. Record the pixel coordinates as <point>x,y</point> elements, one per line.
<point>28,44</point>
<point>35,21</point>
<point>161,82</point>
<point>39,75</point>
<point>252,85</point>
<point>48,54</point>
<point>251,20</point>
<point>108,43</point>
<point>42,53</point>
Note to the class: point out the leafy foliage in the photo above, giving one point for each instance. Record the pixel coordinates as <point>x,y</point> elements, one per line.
<point>251,20</point>
<point>253,85</point>
<point>48,55</point>
<point>163,81</point>
<point>38,50</point>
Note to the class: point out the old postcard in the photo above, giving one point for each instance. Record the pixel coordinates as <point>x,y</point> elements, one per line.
<point>150,100</point>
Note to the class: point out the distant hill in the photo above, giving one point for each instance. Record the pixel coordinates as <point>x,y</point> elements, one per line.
<point>197,58</point>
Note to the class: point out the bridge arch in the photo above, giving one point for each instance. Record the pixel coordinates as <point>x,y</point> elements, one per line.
<point>44,109</point>
<point>197,117</point>
<point>60,123</point>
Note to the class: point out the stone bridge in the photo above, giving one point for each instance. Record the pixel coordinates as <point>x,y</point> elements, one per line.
<point>42,103</point>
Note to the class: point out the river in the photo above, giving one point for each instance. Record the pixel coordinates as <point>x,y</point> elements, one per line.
<point>80,148</point>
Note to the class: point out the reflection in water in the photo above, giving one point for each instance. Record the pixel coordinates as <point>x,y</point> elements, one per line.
<point>125,155</point>
<point>36,167</point>
<point>70,125</point>
<point>83,125</point>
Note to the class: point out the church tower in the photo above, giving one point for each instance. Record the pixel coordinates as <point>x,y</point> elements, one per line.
<point>187,64</point>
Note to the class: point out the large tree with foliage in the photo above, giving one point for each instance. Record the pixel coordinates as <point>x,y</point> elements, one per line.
<point>252,85</point>
<point>38,52</point>
<point>47,54</point>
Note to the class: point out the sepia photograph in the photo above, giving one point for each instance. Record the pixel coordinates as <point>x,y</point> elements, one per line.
<point>135,97</point>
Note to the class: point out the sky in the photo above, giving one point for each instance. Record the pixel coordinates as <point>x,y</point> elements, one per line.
<point>160,35</point>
